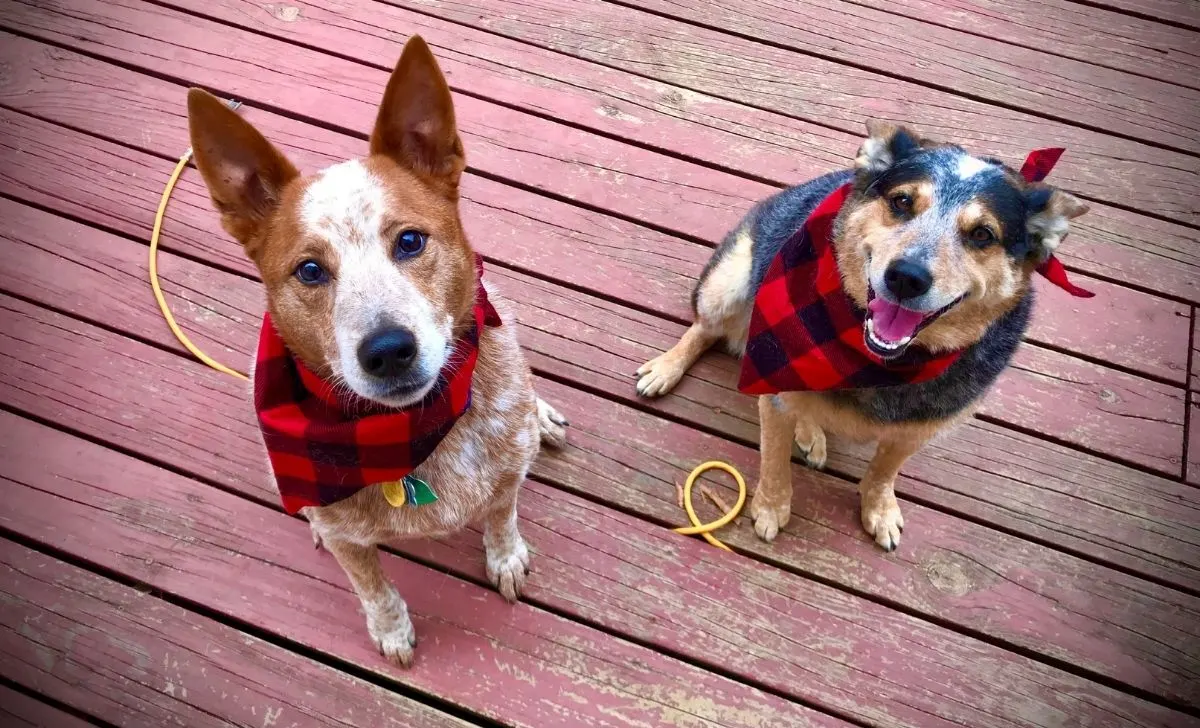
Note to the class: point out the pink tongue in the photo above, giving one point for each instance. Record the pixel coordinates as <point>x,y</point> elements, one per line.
<point>893,323</point>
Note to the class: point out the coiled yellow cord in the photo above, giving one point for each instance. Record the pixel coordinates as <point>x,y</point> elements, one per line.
<point>706,529</point>
<point>158,294</point>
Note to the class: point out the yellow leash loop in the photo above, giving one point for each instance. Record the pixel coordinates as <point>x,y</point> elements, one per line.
<point>706,529</point>
<point>158,294</point>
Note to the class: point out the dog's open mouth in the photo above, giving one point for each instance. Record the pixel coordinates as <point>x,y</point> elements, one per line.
<point>890,328</point>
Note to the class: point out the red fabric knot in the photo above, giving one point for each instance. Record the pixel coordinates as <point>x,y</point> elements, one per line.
<point>325,443</point>
<point>1037,166</point>
<point>806,334</point>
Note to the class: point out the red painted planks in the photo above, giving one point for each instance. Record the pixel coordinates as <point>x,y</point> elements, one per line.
<point>18,710</point>
<point>677,195</point>
<point>1047,602</point>
<point>1100,166</point>
<point>1094,35</point>
<point>1072,500</point>
<point>507,662</point>
<point>125,657</point>
<point>1116,244</point>
<point>1181,12</point>
<point>973,65</point>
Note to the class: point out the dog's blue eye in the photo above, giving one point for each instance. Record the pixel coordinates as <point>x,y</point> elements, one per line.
<point>310,273</point>
<point>409,243</point>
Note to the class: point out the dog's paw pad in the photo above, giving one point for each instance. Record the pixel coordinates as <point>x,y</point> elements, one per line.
<point>507,570</point>
<point>659,376</point>
<point>883,521</point>
<point>397,643</point>
<point>769,520</point>
<point>552,426</point>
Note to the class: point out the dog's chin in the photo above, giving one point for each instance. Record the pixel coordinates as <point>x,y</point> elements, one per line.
<point>394,395</point>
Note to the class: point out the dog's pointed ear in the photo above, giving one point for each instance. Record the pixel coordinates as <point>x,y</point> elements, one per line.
<point>244,173</point>
<point>1050,211</point>
<point>885,145</point>
<point>415,126</point>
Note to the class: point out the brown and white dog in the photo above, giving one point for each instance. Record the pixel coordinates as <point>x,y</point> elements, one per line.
<point>370,281</point>
<point>935,248</point>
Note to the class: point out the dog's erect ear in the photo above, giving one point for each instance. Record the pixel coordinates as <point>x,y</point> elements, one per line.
<point>1050,211</point>
<point>885,145</point>
<point>244,173</point>
<point>415,126</point>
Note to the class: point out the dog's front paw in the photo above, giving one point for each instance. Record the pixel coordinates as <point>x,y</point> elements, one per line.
<point>881,518</point>
<point>396,642</point>
<point>769,519</point>
<point>552,426</point>
<point>508,567</point>
<point>660,375</point>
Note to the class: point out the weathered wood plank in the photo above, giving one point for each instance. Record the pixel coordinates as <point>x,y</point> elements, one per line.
<point>1076,502</point>
<point>656,188</point>
<point>515,664</point>
<point>1181,12</point>
<point>974,64</point>
<point>1195,360</point>
<point>18,710</point>
<point>1193,443</point>
<point>616,272</point>
<point>128,658</point>
<point>1047,602</point>
<point>1104,38</point>
<point>814,89</point>
<point>1113,243</point>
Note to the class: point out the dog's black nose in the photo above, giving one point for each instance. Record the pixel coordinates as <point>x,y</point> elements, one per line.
<point>906,279</point>
<point>387,353</point>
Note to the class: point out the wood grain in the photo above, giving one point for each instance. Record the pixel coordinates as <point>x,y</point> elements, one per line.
<point>1122,246</point>
<point>1047,602</point>
<point>1193,445</point>
<point>1104,38</point>
<point>125,657</point>
<point>973,65</point>
<point>1181,12</point>
<point>1074,501</point>
<point>822,91</point>
<point>512,663</point>
<point>18,710</point>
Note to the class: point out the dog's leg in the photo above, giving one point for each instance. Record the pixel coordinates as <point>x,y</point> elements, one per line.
<point>387,615</point>
<point>811,439</point>
<point>552,426</point>
<point>771,506</point>
<point>506,553</point>
<point>880,511</point>
<point>659,375</point>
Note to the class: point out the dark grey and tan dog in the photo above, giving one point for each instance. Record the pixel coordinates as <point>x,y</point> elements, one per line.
<point>936,247</point>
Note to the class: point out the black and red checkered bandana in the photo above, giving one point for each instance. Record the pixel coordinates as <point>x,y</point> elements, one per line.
<point>806,334</point>
<point>326,445</point>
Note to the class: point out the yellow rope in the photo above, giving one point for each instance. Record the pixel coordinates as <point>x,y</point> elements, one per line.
<point>706,529</point>
<point>158,294</point>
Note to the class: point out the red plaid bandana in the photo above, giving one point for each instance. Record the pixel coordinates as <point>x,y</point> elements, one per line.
<point>806,334</point>
<point>326,445</point>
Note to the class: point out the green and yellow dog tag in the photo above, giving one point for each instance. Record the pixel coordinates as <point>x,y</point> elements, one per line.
<point>410,491</point>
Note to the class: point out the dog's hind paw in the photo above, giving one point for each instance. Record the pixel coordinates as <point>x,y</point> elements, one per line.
<point>398,644</point>
<point>812,444</point>
<point>552,426</point>
<point>660,375</point>
<point>881,518</point>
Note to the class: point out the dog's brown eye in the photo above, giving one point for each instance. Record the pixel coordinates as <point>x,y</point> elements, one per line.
<point>409,243</point>
<point>902,204</point>
<point>982,235</point>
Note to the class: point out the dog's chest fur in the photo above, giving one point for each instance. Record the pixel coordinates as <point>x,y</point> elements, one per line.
<point>491,445</point>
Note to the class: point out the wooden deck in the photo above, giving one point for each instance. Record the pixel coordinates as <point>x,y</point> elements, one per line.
<point>1050,575</point>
